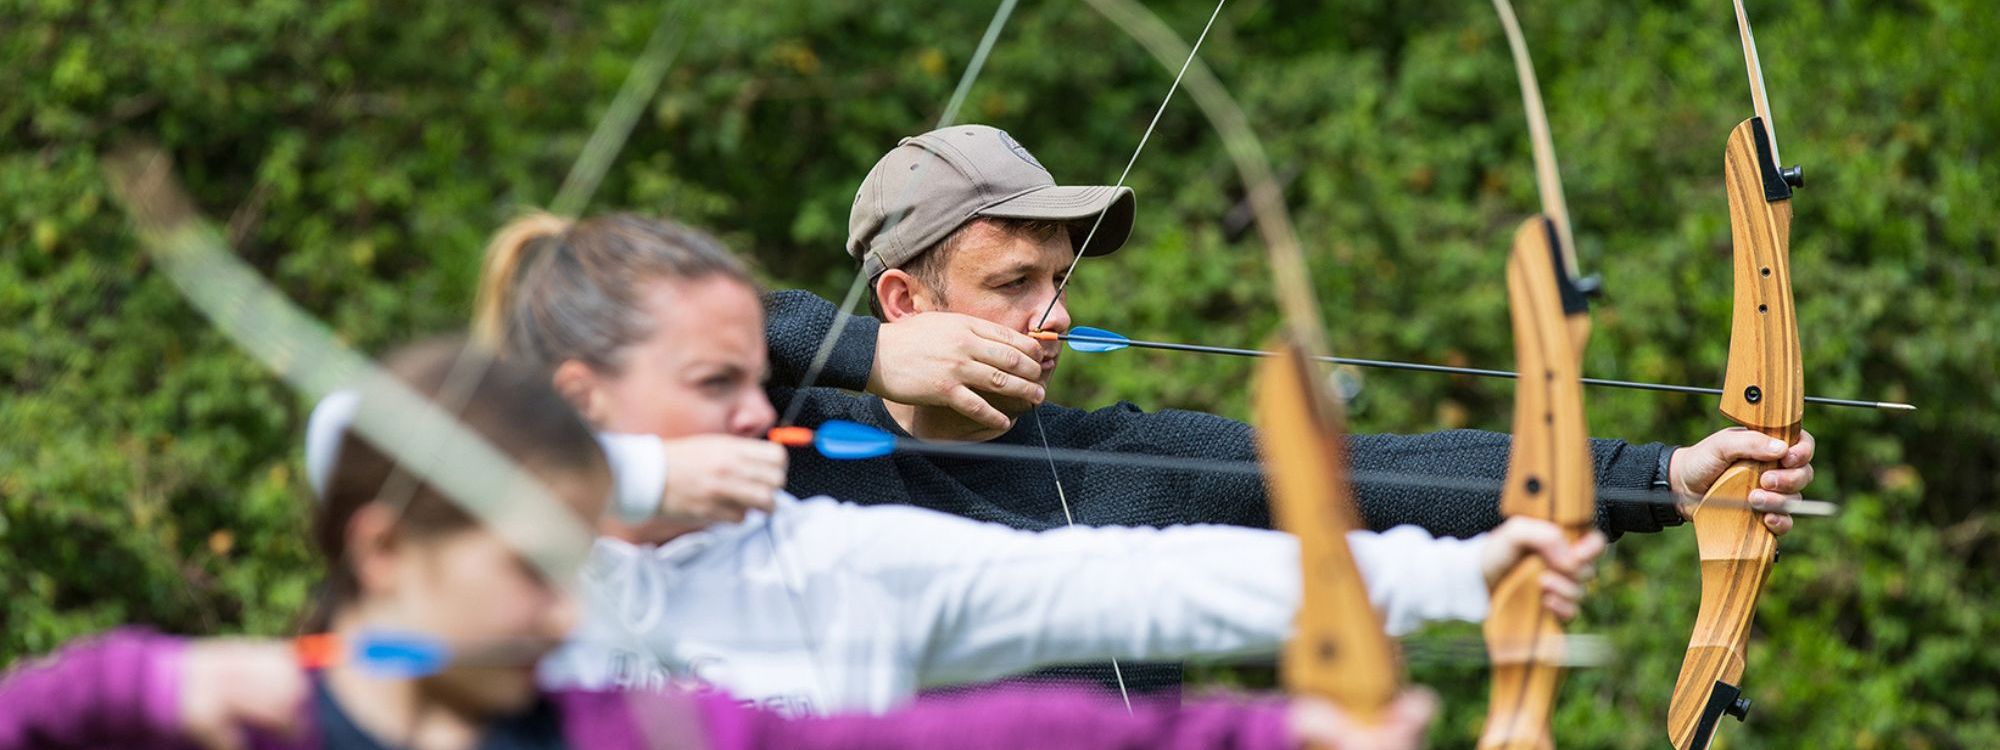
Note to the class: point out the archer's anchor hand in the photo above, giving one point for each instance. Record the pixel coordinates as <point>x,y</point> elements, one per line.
<point>719,478</point>
<point>959,362</point>
<point>1693,469</point>
<point>1570,564</point>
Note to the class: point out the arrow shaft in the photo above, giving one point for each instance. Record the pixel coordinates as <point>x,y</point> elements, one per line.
<point>1388,364</point>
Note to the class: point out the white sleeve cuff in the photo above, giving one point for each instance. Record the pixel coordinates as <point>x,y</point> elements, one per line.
<point>1413,578</point>
<point>639,474</point>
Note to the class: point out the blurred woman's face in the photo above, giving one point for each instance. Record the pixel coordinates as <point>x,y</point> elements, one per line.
<point>700,371</point>
<point>498,615</point>
<point>495,612</point>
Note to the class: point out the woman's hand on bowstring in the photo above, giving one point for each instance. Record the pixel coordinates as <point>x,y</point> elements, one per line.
<point>721,478</point>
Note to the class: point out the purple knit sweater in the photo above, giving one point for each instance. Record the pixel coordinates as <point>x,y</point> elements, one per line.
<point>121,690</point>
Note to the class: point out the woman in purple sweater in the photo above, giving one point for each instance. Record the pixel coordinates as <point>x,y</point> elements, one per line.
<point>402,557</point>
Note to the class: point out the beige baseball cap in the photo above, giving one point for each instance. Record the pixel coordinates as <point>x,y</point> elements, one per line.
<point>930,185</point>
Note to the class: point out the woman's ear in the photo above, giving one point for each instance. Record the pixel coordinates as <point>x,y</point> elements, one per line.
<point>896,291</point>
<point>372,552</point>
<point>580,386</point>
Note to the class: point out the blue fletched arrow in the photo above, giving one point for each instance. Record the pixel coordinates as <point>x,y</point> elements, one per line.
<point>400,655</point>
<point>1088,339</point>
<point>852,440</point>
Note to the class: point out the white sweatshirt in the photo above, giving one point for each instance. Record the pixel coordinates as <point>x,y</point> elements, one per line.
<point>827,606</point>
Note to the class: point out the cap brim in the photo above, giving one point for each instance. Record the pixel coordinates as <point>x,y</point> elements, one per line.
<point>1079,206</point>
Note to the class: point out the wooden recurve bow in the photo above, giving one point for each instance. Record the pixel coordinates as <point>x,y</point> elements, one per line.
<point>1339,650</point>
<point>1549,471</point>
<point>1762,391</point>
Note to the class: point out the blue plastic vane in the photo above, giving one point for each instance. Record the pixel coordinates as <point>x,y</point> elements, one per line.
<point>1088,339</point>
<point>851,440</point>
<point>400,655</point>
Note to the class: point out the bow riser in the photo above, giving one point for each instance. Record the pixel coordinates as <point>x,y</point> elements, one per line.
<point>1763,390</point>
<point>1549,472</point>
<point>1338,649</point>
<point>1549,476</point>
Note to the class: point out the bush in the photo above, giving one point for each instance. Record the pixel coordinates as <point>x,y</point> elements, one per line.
<point>359,151</point>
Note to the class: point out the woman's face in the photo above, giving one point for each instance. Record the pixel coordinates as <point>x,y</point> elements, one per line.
<point>499,615</point>
<point>495,612</point>
<point>702,369</point>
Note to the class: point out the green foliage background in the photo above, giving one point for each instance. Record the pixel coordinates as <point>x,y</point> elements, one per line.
<point>359,151</point>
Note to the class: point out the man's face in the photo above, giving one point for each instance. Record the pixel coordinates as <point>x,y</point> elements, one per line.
<point>1008,278</point>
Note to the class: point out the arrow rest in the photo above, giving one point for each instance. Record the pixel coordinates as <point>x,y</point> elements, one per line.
<point>1778,182</point>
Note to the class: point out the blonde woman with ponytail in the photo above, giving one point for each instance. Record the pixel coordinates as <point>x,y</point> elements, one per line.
<point>576,324</point>
<point>651,328</point>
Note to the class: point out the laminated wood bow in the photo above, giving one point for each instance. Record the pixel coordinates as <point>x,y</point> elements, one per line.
<point>1339,650</point>
<point>1761,391</point>
<point>1549,473</point>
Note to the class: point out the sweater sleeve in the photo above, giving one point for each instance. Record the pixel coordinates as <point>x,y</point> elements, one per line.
<point>117,689</point>
<point>797,321</point>
<point>1012,717</point>
<point>1479,455</point>
<point>1450,454</point>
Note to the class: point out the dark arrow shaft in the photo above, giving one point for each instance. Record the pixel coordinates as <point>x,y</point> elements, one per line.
<point>1475,371</point>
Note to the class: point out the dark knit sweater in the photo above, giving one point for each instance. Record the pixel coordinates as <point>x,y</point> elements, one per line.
<point>1022,494</point>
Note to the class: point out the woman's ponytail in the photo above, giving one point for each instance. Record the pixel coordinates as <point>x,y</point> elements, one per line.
<point>554,291</point>
<point>506,256</point>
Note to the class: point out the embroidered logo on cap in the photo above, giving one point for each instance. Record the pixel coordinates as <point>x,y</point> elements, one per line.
<point>1015,146</point>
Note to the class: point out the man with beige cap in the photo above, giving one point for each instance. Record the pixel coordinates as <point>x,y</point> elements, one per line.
<point>966,238</point>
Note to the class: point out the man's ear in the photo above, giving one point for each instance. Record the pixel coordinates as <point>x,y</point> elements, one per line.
<point>372,551</point>
<point>580,386</point>
<point>900,295</point>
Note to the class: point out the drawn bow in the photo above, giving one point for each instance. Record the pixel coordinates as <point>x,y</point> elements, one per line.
<point>1549,470</point>
<point>1762,391</point>
<point>1339,649</point>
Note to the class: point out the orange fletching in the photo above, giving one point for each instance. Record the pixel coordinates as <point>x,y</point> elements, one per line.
<point>318,651</point>
<point>796,437</point>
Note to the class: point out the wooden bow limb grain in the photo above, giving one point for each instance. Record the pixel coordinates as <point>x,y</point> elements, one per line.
<point>1762,391</point>
<point>1549,477</point>
<point>1338,649</point>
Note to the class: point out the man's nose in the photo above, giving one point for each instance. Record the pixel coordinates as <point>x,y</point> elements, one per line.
<point>1057,318</point>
